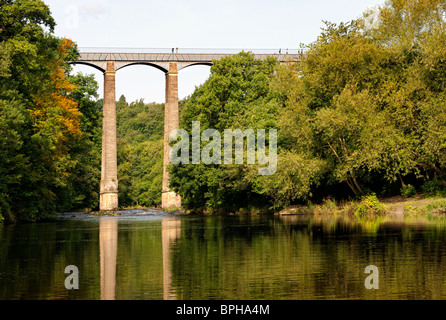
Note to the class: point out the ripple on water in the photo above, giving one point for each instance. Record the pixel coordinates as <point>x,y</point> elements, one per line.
<point>121,214</point>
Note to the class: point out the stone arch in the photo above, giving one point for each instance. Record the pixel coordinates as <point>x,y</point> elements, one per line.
<point>183,65</point>
<point>98,66</point>
<point>158,66</point>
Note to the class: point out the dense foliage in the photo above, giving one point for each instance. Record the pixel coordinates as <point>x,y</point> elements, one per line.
<point>364,107</point>
<point>237,95</point>
<point>47,119</point>
<point>363,111</point>
<point>140,152</point>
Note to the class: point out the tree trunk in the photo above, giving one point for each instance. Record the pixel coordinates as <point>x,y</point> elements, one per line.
<point>352,186</point>
<point>402,182</point>
<point>356,183</point>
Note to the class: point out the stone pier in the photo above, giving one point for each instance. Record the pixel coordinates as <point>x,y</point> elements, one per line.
<point>170,63</point>
<point>109,169</point>
<point>169,198</point>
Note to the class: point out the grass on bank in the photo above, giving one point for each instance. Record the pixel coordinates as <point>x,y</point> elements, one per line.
<point>370,206</point>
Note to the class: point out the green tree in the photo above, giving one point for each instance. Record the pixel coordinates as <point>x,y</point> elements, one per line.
<point>414,31</point>
<point>140,152</point>
<point>368,101</point>
<point>37,113</point>
<point>236,96</point>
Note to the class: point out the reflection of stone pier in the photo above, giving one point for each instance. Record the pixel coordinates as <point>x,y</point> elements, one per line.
<point>108,244</point>
<point>171,230</point>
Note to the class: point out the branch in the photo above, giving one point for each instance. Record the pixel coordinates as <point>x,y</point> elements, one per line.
<point>350,184</point>
<point>342,140</point>
<point>426,166</point>
<point>356,182</point>
<point>336,154</point>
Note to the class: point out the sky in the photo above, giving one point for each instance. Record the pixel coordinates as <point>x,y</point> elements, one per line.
<point>240,24</point>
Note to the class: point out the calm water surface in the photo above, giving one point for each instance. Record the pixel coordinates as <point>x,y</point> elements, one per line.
<point>147,255</point>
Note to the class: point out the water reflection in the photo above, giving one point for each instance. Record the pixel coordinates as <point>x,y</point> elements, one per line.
<point>170,230</point>
<point>214,257</point>
<point>108,244</point>
<point>307,257</point>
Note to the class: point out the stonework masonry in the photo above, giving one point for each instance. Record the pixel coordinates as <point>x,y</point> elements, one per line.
<point>169,199</point>
<point>170,64</point>
<point>109,169</point>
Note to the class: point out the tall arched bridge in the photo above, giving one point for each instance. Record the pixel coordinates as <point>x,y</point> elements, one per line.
<point>160,58</point>
<point>169,61</point>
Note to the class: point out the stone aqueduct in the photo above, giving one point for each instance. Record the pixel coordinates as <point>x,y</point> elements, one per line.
<point>169,63</point>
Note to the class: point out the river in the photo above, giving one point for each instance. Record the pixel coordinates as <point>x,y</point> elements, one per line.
<point>147,254</point>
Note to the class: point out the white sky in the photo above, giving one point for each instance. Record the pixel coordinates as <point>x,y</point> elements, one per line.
<point>247,24</point>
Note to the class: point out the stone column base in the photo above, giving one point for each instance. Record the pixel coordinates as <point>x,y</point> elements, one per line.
<point>170,200</point>
<point>108,202</point>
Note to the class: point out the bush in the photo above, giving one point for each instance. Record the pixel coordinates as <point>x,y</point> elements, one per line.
<point>369,205</point>
<point>410,211</point>
<point>408,191</point>
<point>433,187</point>
<point>328,207</point>
<point>437,207</point>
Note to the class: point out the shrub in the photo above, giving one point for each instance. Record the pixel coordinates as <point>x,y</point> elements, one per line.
<point>433,187</point>
<point>369,205</point>
<point>408,191</point>
<point>328,207</point>
<point>436,207</point>
<point>410,211</point>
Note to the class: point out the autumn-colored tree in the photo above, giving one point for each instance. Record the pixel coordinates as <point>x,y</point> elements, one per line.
<point>39,117</point>
<point>56,116</point>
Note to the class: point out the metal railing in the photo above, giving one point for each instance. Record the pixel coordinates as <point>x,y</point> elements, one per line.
<point>188,50</point>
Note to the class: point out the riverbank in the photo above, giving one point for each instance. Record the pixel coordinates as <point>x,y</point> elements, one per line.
<point>367,207</point>
<point>397,207</point>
